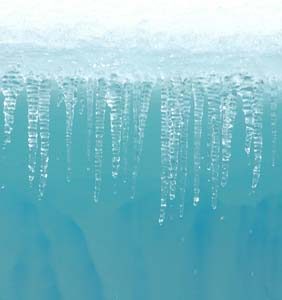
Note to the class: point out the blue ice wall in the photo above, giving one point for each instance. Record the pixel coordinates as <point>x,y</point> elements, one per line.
<point>65,245</point>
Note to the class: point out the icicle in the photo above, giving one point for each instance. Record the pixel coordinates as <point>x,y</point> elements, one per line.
<point>114,101</point>
<point>69,98</point>
<point>211,95</point>
<point>164,151</point>
<point>80,94</point>
<point>125,126</point>
<point>273,120</point>
<point>257,132</point>
<point>229,107</point>
<point>32,91</point>
<point>90,89</point>
<point>183,152</point>
<point>99,136</point>
<point>43,112</point>
<point>140,110</point>
<point>175,102</point>
<point>246,93</point>
<point>198,95</point>
<point>11,86</point>
<point>215,94</point>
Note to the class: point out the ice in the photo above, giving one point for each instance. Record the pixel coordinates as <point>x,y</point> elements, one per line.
<point>100,107</point>
<point>44,121</point>
<point>141,104</point>
<point>114,101</point>
<point>184,143</point>
<point>32,91</point>
<point>11,86</point>
<point>90,92</point>
<point>229,111</point>
<point>199,98</point>
<point>183,102</point>
<point>69,89</point>
<point>257,136</point>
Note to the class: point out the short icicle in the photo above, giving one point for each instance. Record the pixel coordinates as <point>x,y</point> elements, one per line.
<point>12,83</point>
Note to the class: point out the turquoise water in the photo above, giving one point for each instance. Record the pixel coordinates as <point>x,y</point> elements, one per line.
<point>64,245</point>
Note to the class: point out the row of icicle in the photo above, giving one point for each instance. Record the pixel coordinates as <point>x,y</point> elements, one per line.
<point>182,103</point>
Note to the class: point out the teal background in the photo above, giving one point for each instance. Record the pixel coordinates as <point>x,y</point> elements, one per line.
<point>67,247</point>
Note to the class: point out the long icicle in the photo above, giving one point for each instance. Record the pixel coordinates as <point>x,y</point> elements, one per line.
<point>215,142</point>
<point>114,101</point>
<point>32,91</point>
<point>127,94</point>
<point>198,96</point>
<point>100,107</point>
<point>246,93</point>
<point>257,136</point>
<point>44,120</point>
<point>140,119</point>
<point>164,151</point>
<point>69,99</point>
<point>229,109</point>
<point>273,121</point>
<point>90,90</point>
<point>184,143</point>
<point>175,106</point>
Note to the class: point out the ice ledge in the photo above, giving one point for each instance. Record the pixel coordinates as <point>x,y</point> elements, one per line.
<point>139,52</point>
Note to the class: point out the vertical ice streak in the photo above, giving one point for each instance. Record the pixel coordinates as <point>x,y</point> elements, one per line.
<point>100,106</point>
<point>90,89</point>
<point>32,91</point>
<point>43,113</point>
<point>273,120</point>
<point>229,107</point>
<point>11,86</point>
<point>184,146</point>
<point>127,94</point>
<point>114,101</point>
<point>140,111</point>
<point>70,100</point>
<point>198,96</point>
<point>246,93</point>
<point>164,151</point>
<point>257,135</point>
